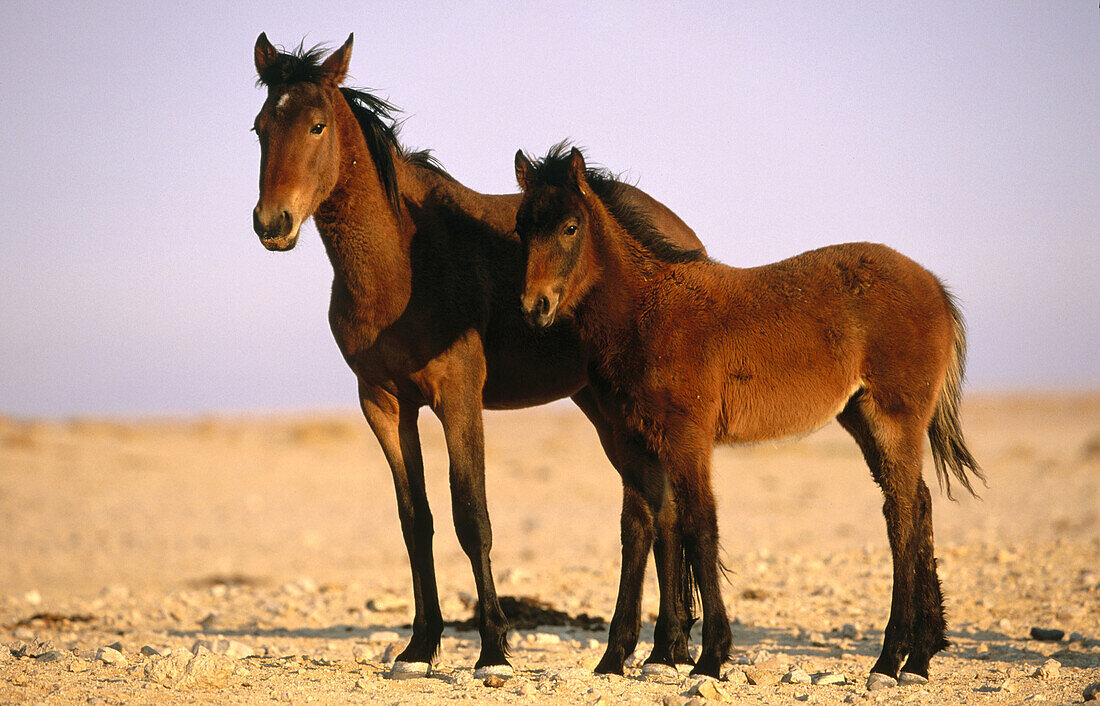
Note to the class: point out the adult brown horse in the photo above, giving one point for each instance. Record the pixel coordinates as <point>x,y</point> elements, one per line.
<point>426,273</point>
<point>687,352</point>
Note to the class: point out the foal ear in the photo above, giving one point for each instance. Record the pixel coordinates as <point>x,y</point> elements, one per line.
<point>576,171</point>
<point>523,170</point>
<point>265,53</point>
<point>336,65</point>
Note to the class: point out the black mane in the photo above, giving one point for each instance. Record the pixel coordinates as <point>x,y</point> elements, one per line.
<point>376,116</point>
<point>553,170</point>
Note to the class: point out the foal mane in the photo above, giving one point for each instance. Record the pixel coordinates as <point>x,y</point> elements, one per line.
<point>376,116</point>
<point>553,170</point>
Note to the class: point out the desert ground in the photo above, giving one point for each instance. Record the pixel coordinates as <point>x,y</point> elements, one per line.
<point>258,558</point>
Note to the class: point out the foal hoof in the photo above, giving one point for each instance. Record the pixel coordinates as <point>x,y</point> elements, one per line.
<point>880,681</point>
<point>655,671</point>
<point>504,671</point>
<point>909,679</point>
<point>410,670</point>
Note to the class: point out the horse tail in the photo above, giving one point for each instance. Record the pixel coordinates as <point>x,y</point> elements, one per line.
<point>949,451</point>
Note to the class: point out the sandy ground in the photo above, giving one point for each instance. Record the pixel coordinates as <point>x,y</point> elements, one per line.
<point>274,542</point>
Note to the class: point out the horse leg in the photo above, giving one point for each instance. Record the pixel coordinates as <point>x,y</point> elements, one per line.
<point>637,537</point>
<point>929,625</point>
<point>689,476</point>
<point>893,454</point>
<point>394,423</point>
<point>459,411</point>
<point>675,615</point>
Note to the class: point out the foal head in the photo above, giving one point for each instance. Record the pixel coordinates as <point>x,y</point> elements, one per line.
<point>299,147</point>
<point>554,223</point>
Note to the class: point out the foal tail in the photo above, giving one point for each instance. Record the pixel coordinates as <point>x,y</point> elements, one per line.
<point>949,451</point>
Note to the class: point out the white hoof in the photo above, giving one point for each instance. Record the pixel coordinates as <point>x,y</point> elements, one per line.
<point>410,670</point>
<point>908,679</point>
<point>654,671</point>
<point>880,681</point>
<point>504,671</point>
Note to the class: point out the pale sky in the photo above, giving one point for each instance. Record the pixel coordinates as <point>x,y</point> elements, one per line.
<point>964,134</point>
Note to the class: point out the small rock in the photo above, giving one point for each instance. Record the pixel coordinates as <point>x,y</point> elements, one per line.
<point>735,676</point>
<point>383,636</point>
<point>215,622</point>
<point>493,681</point>
<point>825,678</point>
<point>796,676</point>
<point>392,650</point>
<point>388,604</point>
<point>982,651</point>
<point>362,654</point>
<point>32,597</point>
<point>761,677</point>
<point>51,656</point>
<point>110,655</point>
<point>220,646</point>
<point>361,684</point>
<point>710,690</point>
<point>460,678</point>
<point>150,651</point>
<point>79,665</point>
<point>1049,670</point>
<point>1091,692</point>
<point>850,632</point>
<point>1047,635</point>
<point>116,646</point>
<point>817,639</point>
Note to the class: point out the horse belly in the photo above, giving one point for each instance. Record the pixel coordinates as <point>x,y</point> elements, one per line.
<point>762,415</point>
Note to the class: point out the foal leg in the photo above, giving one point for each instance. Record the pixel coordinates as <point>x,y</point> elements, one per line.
<point>637,537</point>
<point>674,618</point>
<point>893,453</point>
<point>394,423</point>
<point>929,625</point>
<point>460,413</point>
<point>689,476</point>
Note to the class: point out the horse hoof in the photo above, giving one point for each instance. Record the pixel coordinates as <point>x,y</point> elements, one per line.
<point>504,671</point>
<point>908,679</point>
<point>410,670</point>
<point>655,671</point>
<point>880,681</point>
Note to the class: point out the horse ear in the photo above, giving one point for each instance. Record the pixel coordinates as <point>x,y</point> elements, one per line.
<point>576,171</point>
<point>523,170</point>
<point>336,65</point>
<point>265,53</point>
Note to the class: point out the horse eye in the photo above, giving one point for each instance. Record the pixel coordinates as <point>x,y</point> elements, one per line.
<point>571,230</point>
<point>317,129</point>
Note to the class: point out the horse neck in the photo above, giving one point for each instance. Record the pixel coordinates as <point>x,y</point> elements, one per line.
<point>366,238</point>
<point>609,311</point>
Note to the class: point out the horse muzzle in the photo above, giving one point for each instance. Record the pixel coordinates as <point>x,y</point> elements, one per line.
<point>540,310</point>
<point>277,231</point>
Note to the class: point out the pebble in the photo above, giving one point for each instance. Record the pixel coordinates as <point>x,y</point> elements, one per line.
<point>182,670</point>
<point>110,655</point>
<point>361,684</point>
<point>493,681</point>
<point>383,636</point>
<point>825,678</point>
<point>735,676</point>
<point>79,665</point>
<point>850,632</point>
<point>796,676</point>
<point>761,677</point>
<point>51,656</point>
<point>1091,692</point>
<point>710,690</point>
<point>386,605</point>
<point>1049,670</point>
<point>150,651</point>
<point>362,654</point>
<point>1047,634</point>
<point>221,646</point>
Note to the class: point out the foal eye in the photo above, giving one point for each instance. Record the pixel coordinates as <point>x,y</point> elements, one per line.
<point>571,230</point>
<point>317,129</point>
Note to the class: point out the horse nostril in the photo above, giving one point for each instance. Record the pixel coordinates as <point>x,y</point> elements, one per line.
<point>542,306</point>
<point>256,225</point>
